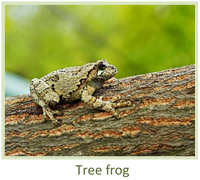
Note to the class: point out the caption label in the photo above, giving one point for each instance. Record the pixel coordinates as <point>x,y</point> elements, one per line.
<point>98,171</point>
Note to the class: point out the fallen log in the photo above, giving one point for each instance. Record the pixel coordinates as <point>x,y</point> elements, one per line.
<point>160,121</point>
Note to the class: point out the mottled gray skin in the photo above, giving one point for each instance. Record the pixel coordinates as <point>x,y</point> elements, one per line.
<point>74,83</point>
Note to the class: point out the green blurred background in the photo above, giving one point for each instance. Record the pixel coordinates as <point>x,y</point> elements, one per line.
<point>137,39</point>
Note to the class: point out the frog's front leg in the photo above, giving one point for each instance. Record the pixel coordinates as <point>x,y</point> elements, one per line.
<point>44,96</point>
<point>94,103</point>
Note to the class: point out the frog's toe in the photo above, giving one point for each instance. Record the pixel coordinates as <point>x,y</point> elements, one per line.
<point>57,112</point>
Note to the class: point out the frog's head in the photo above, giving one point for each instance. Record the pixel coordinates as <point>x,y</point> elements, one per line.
<point>105,71</point>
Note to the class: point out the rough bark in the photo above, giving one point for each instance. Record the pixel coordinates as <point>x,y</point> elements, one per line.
<point>161,121</point>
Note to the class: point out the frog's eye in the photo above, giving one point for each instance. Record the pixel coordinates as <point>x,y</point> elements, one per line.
<point>101,66</point>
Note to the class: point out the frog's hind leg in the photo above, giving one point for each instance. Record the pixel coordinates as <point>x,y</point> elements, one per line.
<point>44,96</point>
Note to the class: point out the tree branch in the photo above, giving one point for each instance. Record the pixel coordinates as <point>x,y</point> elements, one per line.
<point>161,121</point>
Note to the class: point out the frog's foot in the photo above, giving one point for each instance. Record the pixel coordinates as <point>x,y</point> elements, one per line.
<point>118,104</point>
<point>47,111</point>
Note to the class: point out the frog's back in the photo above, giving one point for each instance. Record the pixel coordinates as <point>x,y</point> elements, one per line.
<point>66,81</point>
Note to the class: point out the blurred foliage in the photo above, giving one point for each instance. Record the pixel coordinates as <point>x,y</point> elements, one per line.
<point>15,85</point>
<point>135,38</point>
